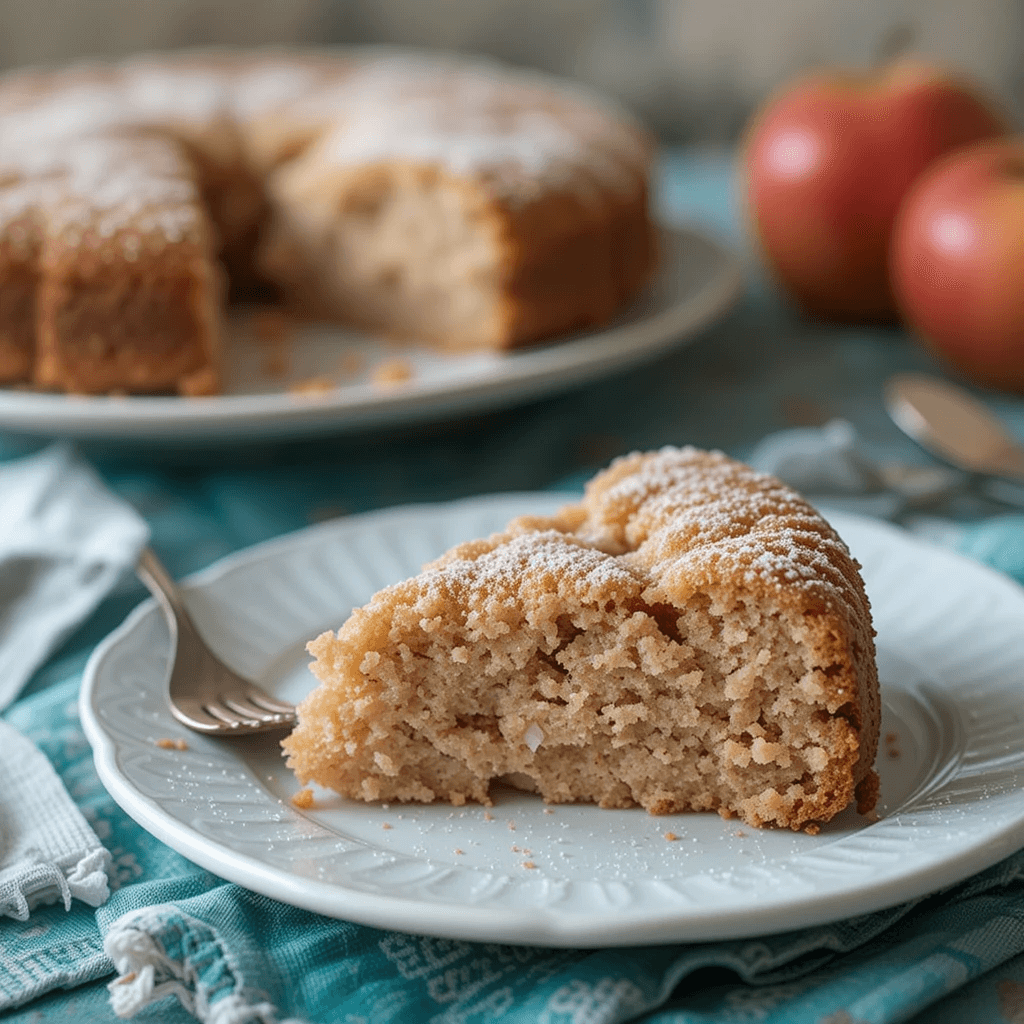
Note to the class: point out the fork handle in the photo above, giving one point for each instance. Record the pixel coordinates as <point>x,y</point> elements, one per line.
<point>161,585</point>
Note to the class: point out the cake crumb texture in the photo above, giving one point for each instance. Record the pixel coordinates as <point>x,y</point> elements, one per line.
<point>691,636</point>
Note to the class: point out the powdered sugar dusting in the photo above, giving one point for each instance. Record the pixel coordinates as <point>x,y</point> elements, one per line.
<point>518,132</point>
<point>658,527</point>
<point>551,560</point>
<point>477,118</point>
<point>704,516</point>
<point>107,185</point>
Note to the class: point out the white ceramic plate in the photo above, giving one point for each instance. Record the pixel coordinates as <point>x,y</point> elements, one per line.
<point>951,647</point>
<point>696,282</point>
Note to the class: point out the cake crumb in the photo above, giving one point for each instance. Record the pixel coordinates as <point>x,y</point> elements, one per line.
<point>392,371</point>
<point>892,745</point>
<point>671,836</point>
<point>739,833</point>
<point>312,387</point>
<point>548,810</point>
<point>201,384</point>
<point>529,865</point>
<point>387,825</point>
<point>515,849</point>
<point>511,826</point>
<point>166,743</point>
<point>458,851</point>
<point>488,816</point>
<point>303,799</point>
<point>350,363</point>
<point>271,326</point>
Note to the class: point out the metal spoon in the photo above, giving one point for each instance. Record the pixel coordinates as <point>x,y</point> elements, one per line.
<point>952,424</point>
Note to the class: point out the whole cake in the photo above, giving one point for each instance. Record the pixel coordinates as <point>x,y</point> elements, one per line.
<point>692,636</point>
<point>443,199</point>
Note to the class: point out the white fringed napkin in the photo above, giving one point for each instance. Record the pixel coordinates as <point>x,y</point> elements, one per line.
<point>65,541</point>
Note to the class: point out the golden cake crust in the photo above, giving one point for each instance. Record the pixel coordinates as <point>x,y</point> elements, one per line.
<point>691,636</point>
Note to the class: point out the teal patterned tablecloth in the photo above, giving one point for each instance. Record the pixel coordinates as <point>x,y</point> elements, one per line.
<point>954,957</point>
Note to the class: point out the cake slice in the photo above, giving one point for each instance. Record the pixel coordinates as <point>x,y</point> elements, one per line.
<point>692,636</point>
<point>130,291</point>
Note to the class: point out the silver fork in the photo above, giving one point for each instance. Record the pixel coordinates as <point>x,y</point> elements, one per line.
<point>203,692</point>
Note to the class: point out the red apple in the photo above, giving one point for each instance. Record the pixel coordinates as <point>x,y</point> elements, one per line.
<point>828,163</point>
<point>958,261</point>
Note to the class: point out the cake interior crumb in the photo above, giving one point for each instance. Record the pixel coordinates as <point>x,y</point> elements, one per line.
<point>303,799</point>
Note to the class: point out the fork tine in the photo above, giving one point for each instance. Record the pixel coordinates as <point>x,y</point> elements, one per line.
<point>203,692</point>
<point>230,718</point>
<point>263,699</point>
<point>250,710</point>
<point>192,714</point>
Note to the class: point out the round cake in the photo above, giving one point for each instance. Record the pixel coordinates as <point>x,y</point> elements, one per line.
<point>452,201</point>
<point>692,636</point>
